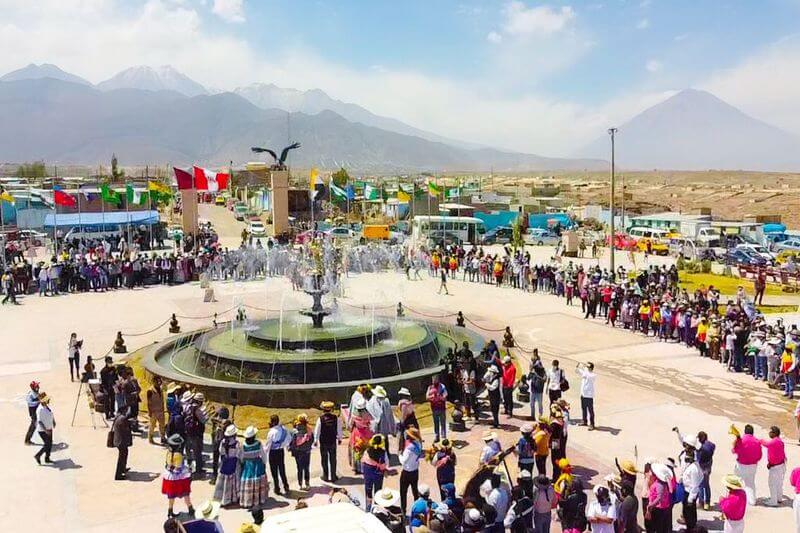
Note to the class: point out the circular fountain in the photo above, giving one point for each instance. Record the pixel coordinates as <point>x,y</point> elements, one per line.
<point>291,361</point>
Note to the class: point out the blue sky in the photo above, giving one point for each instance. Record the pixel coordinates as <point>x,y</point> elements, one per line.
<point>543,77</point>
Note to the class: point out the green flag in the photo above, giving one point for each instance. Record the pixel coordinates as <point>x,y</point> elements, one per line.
<point>454,192</point>
<point>433,189</point>
<point>371,193</point>
<point>109,195</point>
<point>338,192</point>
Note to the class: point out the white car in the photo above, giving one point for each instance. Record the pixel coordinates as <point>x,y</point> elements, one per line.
<point>341,233</point>
<point>540,237</point>
<point>792,244</point>
<point>758,250</point>
<point>36,238</point>
<point>256,228</point>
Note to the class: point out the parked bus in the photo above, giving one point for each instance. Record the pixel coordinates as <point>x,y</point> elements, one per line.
<point>442,230</point>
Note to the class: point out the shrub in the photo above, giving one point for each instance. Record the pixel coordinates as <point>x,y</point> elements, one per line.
<point>680,264</point>
<point>705,266</point>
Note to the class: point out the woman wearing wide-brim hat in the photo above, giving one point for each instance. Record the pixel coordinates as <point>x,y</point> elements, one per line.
<point>659,502</point>
<point>226,490</point>
<point>254,486</point>
<point>734,504</point>
<point>176,481</point>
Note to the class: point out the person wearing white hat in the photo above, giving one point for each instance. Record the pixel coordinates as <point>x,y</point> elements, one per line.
<point>360,426</point>
<point>491,447</point>
<point>207,515</point>
<point>692,479</point>
<point>659,502</point>
<point>226,490</point>
<point>408,417</point>
<point>601,513</point>
<point>254,487</point>
<point>492,381</point>
<point>385,506</point>
<point>381,411</point>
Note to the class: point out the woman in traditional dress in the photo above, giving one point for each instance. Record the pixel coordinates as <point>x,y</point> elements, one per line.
<point>360,427</point>
<point>230,450</point>
<point>374,463</point>
<point>254,488</point>
<point>408,418</point>
<point>177,478</point>
<point>300,447</point>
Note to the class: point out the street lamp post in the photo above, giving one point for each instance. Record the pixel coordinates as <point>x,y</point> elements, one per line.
<point>612,132</point>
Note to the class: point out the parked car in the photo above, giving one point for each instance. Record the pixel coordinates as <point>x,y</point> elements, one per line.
<point>772,240</point>
<point>758,250</point>
<point>239,211</point>
<point>498,235</point>
<point>219,200</point>
<point>35,238</point>
<point>656,246</point>
<point>743,256</point>
<point>791,244</point>
<point>539,237</point>
<point>256,228</point>
<point>341,233</point>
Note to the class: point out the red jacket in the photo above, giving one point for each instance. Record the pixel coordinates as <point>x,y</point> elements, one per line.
<point>509,376</point>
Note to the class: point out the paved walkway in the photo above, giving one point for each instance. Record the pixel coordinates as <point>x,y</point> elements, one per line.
<point>644,389</point>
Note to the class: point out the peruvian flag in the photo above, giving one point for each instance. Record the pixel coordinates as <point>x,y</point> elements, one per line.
<point>183,178</point>
<point>208,180</point>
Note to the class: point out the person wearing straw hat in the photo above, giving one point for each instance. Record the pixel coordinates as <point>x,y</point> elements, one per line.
<point>385,506</point>
<point>374,462</point>
<point>360,426</point>
<point>327,434</point>
<point>45,423</point>
<point>734,505</point>
<point>444,459</point>
<point>381,411</point>
<point>226,490</point>
<point>491,448</point>
<point>207,518</point>
<point>247,527</point>
<point>254,486</point>
<point>659,501</point>
<point>300,448</point>
<point>176,481</point>
<point>409,461</point>
<point>491,378</point>
<point>123,439</point>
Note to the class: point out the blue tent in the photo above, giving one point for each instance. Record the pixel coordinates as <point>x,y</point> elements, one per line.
<point>136,218</point>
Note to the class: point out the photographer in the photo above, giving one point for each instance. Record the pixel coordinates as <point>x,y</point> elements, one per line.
<point>74,356</point>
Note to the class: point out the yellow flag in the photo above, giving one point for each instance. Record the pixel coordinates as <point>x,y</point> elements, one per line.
<point>157,187</point>
<point>312,179</point>
<point>4,195</point>
<point>403,197</point>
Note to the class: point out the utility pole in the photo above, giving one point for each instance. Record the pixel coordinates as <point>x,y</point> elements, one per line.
<point>612,132</point>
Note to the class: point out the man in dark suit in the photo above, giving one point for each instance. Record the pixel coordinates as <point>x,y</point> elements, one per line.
<point>123,439</point>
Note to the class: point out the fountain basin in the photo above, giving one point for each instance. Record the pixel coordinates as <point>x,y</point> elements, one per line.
<point>333,337</point>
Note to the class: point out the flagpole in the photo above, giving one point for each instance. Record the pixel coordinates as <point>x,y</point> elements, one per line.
<point>55,214</point>
<point>80,224</point>
<point>149,202</point>
<point>127,215</point>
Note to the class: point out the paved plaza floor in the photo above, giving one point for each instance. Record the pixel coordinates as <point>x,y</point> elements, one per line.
<point>644,389</point>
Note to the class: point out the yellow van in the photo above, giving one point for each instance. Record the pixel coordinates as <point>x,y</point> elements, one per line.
<point>376,232</point>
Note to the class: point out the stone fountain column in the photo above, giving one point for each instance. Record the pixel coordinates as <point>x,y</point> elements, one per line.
<point>279,181</point>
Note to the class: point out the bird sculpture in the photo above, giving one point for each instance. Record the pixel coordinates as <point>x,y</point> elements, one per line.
<point>279,162</point>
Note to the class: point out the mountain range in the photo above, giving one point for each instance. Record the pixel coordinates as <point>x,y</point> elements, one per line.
<point>156,115</point>
<point>60,121</point>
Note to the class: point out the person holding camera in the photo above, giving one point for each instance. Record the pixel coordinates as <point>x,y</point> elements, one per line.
<point>74,356</point>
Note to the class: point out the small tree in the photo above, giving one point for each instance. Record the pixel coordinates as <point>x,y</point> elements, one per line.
<point>340,177</point>
<point>116,173</point>
<point>31,170</point>
<point>517,239</point>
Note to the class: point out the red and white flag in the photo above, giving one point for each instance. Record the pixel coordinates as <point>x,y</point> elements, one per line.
<point>183,178</point>
<point>208,180</point>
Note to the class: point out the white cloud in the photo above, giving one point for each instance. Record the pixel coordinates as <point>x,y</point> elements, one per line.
<point>681,37</point>
<point>229,10</point>
<point>653,65</point>
<point>764,84</point>
<point>522,20</point>
<point>494,37</point>
<point>643,24</point>
<point>98,38</point>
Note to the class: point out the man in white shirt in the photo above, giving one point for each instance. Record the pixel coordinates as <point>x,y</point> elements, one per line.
<point>692,479</point>
<point>45,422</point>
<point>554,378</point>
<point>588,378</point>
